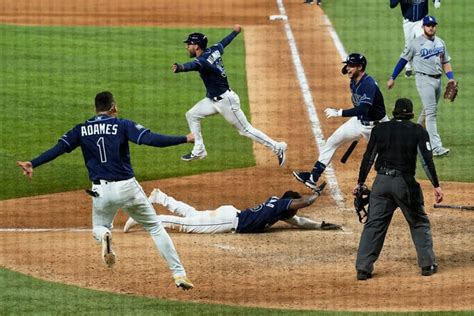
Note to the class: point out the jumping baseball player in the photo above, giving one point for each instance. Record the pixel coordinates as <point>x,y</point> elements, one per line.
<point>227,218</point>
<point>368,111</point>
<point>104,143</point>
<point>413,12</point>
<point>430,58</point>
<point>219,98</point>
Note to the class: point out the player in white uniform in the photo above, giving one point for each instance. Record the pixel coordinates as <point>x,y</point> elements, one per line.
<point>430,58</point>
<point>228,219</point>
<point>219,98</point>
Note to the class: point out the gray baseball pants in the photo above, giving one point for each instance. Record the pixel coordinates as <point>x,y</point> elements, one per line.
<point>429,90</point>
<point>388,193</point>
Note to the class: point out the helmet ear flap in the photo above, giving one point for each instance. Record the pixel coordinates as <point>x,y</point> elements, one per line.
<point>344,70</point>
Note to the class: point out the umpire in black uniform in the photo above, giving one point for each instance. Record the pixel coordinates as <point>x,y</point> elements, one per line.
<point>394,146</point>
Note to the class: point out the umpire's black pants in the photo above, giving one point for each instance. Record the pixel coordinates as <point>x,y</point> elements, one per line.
<point>388,193</point>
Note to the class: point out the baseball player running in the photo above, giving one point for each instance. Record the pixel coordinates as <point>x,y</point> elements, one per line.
<point>227,218</point>
<point>104,143</point>
<point>430,57</point>
<point>368,111</point>
<point>413,12</point>
<point>219,98</point>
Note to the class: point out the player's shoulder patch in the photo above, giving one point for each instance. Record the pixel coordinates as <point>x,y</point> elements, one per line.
<point>139,126</point>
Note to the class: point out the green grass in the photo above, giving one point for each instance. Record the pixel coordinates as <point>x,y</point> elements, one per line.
<point>20,294</point>
<point>49,79</point>
<point>374,29</point>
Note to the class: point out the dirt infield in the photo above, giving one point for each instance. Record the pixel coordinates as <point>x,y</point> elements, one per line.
<point>285,268</point>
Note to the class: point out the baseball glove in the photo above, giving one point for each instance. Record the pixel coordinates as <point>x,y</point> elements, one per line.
<point>361,199</point>
<point>451,91</point>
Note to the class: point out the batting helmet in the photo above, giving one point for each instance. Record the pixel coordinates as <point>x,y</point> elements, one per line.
<point>198,39</point>
<point>354,59</point>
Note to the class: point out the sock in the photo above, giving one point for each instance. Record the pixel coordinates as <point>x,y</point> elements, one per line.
<point>318,169</point>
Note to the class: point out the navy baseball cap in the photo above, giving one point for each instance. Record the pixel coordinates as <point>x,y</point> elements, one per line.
<point>198,39</point>
<point>354,59</point>
<point>429,20</point>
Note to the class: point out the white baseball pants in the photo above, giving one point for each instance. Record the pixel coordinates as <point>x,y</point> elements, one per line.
<point>347,132</point>
<point>129,196</point>
<point>189,220</point>
<point>229,108</point>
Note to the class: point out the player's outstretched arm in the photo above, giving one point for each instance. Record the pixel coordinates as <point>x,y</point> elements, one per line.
<point>304,201</point>
<point>27,168</point>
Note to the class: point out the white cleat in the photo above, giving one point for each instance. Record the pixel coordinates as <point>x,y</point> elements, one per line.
<point>281,154</point>
<point>108,255</point>
<point>183,282</point>
<point>129,224</point>
<point>157,197</point>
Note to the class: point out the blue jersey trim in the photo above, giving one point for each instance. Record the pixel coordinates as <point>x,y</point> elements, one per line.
<point>67,143</point>
<point>140,136</point>
<point>106,119</point>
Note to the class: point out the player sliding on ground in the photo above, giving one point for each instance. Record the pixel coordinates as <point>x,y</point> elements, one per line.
<point>228,219</point>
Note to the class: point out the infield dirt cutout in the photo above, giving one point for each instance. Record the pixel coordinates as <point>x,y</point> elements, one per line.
<point>284,268</point>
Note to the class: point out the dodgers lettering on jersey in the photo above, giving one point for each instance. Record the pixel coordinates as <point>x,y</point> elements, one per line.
<point>367,93</point>
<point>427,55</point>
<point>261,217</point>
<point>104,143</point>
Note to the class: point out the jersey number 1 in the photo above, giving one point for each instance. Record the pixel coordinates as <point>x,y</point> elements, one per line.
<point>101,145</point>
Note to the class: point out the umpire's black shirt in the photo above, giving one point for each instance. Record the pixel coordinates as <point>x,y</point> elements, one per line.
<point>395,145</point>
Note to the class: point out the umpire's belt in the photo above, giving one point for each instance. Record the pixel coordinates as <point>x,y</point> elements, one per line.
<point>220,97</point>
<point>390,172</point>
<point>369,123</point>
<point>432,76</point>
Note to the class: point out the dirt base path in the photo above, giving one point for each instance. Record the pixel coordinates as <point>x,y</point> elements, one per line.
<point>285,268</point>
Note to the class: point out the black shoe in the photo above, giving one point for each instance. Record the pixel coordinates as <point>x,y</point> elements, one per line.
<point>363,275</point>
<point>301,176</point>
<point>429,270</point>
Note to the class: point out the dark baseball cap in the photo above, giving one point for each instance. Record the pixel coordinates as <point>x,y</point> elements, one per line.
<point>198,39</point>
<point>403,108</point>
<point>354,59</point>
<point>429,20</point>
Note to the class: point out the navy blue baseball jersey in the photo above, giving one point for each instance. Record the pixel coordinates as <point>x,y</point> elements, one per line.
<point>261,217</point>
<point>412,10</point>
<point>211,67</point>
<point>104,143</point>
<point>367,100</point>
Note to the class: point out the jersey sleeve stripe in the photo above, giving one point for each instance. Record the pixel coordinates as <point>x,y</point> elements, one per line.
<point>67,143</point>
<point>141,134</point>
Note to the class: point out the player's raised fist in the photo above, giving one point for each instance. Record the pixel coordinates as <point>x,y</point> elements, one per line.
<point>237,28</point>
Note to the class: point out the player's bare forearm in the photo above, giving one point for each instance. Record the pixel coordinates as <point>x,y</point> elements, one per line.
<point>304,201</point>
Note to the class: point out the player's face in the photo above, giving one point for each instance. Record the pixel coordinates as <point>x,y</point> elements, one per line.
<point>353,71</point>
<point>430,30</point>
<point>191,48</point>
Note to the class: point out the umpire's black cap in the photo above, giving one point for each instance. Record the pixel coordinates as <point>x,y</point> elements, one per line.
<point>354,59</point>
<point>198,39</point>
<point>403,109</point>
